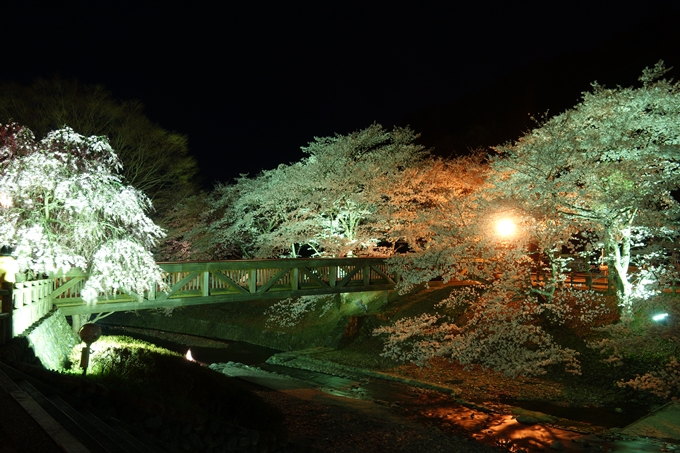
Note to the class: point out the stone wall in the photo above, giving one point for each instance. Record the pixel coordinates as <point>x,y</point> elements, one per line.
<point>51,340</point>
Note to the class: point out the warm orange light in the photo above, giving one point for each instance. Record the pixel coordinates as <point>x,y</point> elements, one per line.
<point>505,228</point>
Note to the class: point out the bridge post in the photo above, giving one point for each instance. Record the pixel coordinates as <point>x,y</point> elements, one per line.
<point>252,281</point>
<point>6,307</point>
<point>205,284</point>
<point>295,279</point>
<point>78,321</point>
<point>332,276</point>
<point>8,271</point>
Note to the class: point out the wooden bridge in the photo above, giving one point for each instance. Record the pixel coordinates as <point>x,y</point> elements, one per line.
<point>196,283</point>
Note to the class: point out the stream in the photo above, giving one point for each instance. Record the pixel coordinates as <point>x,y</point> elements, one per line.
<point>566,431</point>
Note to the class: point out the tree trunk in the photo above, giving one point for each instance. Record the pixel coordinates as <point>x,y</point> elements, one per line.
<point>618,259</point>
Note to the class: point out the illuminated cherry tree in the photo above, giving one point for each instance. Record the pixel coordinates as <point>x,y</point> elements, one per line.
<point>598,176</point>
<point>66,207</point>
<point>607,169</point>
<point>495,316</point>
<point>334,201</point>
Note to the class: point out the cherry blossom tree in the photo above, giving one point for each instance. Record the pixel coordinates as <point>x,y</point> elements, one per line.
<point>66,207</point>
<point>334,202</point>
<point>606,168</point>
<point>598,176</point>
<point>496,316</point>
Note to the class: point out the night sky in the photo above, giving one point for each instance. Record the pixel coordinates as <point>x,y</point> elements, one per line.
<point>251,82</point>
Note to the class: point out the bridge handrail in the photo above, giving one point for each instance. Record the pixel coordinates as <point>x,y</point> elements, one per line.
<point>196,282</point>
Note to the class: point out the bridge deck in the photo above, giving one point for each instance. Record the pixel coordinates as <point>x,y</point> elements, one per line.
<point>195,283</point>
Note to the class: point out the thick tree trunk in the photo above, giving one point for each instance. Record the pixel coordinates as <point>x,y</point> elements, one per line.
<point>618,259</point>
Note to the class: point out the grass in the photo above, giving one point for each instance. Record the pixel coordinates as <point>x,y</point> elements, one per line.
<point>143,369</point>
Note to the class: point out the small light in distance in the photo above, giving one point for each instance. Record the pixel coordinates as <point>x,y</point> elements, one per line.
<point>505,228</point>
<point>660,317</point>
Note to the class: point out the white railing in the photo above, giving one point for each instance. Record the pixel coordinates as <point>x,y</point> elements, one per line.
<point>30,302</point>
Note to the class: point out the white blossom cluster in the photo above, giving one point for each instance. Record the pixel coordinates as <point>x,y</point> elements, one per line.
<point>337,201</point>
<point>662,382</point>
<point>70,209</point>
<point>289,312</point>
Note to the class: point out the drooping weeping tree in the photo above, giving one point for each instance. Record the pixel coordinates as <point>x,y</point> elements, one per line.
<point>65,206</point>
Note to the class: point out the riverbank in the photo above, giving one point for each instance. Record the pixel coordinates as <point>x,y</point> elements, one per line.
<point>341,338</point>
<point>338,341</point>
<point>414,416</point>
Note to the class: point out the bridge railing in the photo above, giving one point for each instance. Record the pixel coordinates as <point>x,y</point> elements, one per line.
<point>30,301</point>
<point>192,283</point>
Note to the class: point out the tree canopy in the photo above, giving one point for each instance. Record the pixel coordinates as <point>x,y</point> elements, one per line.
<point>155,160</point>
<point>333,202</point>
<point>65,206</point>
<point>607,167</point>
<point>597,178</point>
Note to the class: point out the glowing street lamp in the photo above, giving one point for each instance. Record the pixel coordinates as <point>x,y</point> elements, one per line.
<point>505,228</point>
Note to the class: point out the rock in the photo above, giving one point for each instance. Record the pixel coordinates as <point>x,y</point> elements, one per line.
<point>557,446</point>
<point>531,417</point>
<point>527,420</point>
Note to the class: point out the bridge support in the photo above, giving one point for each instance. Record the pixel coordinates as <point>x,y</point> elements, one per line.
<point>78,321</point>
<point>6,308</point>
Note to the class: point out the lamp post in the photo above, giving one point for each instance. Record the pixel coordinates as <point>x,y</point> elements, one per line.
<point>89,333</point>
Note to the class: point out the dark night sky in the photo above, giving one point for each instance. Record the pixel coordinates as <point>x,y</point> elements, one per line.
<point>250,82</point>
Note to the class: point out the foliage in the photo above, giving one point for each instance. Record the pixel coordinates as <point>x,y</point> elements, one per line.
<point>184,241</point>
<point>288,312</point>
<point>600,175</point>
<point>606,168</point>
<point>155,161</point>
<point>334,202</point>
<point>67,207</point>
<point>662,382</point>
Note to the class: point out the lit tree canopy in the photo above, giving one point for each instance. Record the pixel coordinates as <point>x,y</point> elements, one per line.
<point>65,206</point>
<point>606,167</point>
<point>334,201</point>
<point>155,161</point>
<point>603,172</point>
